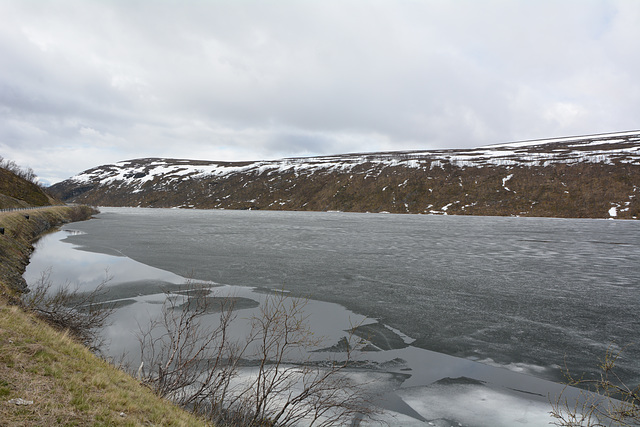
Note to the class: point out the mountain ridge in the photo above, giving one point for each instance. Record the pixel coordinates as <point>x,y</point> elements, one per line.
<point>594,176</point>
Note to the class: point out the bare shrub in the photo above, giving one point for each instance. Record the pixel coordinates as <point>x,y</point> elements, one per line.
<point>198,365</point>
<point>186,359</point>
<point>23,172</point>
<point>69,309</point>
<point>608,401</point>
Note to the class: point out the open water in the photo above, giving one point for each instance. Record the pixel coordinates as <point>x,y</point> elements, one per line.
<point>511,299</point>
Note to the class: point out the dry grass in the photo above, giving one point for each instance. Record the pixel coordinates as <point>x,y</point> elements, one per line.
<point>17,192</point>
<point>67,383</point>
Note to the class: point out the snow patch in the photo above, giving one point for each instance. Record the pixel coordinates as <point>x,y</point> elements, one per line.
<point>621,147</point>
<point>504,181</point>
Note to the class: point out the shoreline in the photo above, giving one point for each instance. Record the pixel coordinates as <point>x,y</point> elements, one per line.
<point>400,370</point>
<point>46,377</point>
<point>22,228</point>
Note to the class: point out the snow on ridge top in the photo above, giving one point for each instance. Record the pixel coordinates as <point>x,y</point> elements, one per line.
<point>603,137</point>
<point>602,148</point>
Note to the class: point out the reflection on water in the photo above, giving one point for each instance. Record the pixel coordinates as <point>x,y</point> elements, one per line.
<point>417,386</point>
<point>87,270</point>
<point>530,294</point>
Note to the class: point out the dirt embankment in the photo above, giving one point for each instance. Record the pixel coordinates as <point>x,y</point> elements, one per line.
<point>18,231</point>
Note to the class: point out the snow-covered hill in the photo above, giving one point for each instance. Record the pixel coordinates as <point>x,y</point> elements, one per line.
<point>587,176</point>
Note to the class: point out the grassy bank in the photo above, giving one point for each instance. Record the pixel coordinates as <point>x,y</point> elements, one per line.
<point>21,228</point>
<point>67,384</point>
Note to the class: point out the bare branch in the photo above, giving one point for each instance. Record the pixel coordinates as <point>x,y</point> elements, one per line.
<point>69,309</point>
<point>261,379</point>
<point>608,401</point>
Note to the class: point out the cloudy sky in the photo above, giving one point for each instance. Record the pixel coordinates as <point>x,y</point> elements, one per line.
<point>84,83</point>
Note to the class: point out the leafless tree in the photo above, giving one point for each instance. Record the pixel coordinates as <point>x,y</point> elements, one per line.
<point>199,365</point>
<point>23,172</point>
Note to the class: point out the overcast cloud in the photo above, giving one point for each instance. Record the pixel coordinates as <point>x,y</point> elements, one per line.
<point>84,83</point>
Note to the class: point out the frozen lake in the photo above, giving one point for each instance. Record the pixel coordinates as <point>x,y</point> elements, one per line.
<point>522,296</point>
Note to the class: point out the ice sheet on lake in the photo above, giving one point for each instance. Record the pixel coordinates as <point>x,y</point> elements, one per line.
<point>460,404</point>
<point>87,270</point>
<point>418,386</point>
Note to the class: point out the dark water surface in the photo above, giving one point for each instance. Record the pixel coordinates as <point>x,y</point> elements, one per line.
<point>527,294</point>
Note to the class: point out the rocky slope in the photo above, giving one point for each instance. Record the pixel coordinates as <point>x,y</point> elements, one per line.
<point>595,176</point>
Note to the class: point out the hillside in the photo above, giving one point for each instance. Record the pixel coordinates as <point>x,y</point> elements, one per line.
<point>594,176</point>
<point>17,192</point>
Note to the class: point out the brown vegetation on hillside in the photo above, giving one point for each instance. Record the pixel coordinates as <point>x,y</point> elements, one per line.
<point>17,192</point>
<point>19,187</point>
<point>582,190</point>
